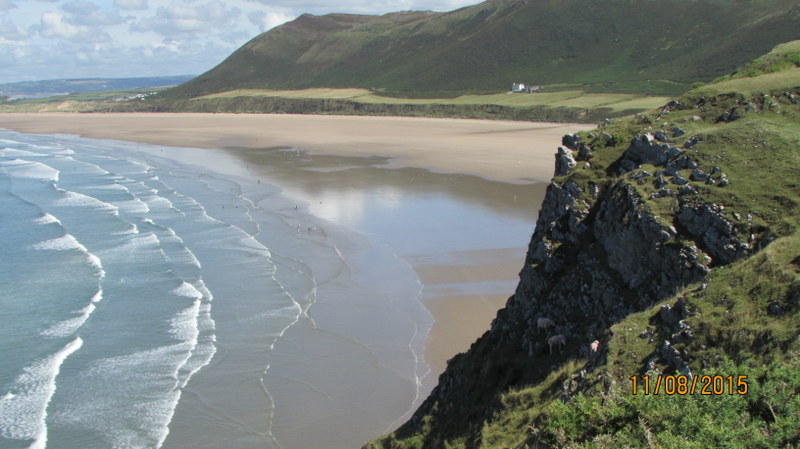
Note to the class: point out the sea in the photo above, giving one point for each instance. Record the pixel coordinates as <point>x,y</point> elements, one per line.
<point>149,302</point>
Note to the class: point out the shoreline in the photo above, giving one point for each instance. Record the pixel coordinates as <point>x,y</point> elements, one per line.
<point>464,282</point>
<point>505,151</point>
<point>337,140</point>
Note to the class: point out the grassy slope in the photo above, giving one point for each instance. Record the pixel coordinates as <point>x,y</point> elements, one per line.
<point>744,320</point>
<point>616,45</point>
<point>616,102</point>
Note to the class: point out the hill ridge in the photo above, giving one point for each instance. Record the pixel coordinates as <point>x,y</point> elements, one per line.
<point>485,47</point>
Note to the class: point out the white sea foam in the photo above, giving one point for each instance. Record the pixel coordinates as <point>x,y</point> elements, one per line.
<point>184,324</point>
<point>23,411</point>
<point>27,169</point>
<point>112,186</point>
<point>132,206</point>
<point>132,229</point>
<point>64,243</point>
<point>136,413</point>
<point>69,326</point>
<point>47,219</point>
<point>15,152</point>
<point>74,199</point>
<point>187,290</point>
<point>67,242</point>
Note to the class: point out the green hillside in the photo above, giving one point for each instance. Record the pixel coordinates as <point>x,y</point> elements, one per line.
<point>672,239</point>
<point>641,46</point>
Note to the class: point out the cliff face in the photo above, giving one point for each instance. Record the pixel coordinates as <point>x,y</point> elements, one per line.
<point>637,212</point>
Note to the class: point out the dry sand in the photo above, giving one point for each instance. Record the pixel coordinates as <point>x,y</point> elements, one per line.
<point>510,152</point>
<point>501,150</point>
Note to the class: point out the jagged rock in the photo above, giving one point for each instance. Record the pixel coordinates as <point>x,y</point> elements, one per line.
<point>584,153</point>
<point>659,182</point>
<point>676,105</point>
<point>679,180</point>
<point>663,193</point>
<point>728,116</point>
<point>564,161</point>
<point>698,175</point>
<point>687,190</point>
<point>661,136</point>
<point>571,141</point>
<point>723,180</point>
<point>677,132</point>
<point>645,150</point>
<point>683,163</point>
<point>717,235</point>
<point>674,358</point>
<point>641,119</point>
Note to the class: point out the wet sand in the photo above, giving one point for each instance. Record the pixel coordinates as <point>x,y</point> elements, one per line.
<point>458,205</point>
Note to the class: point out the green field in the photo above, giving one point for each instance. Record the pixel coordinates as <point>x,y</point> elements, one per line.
<point>567,98</point>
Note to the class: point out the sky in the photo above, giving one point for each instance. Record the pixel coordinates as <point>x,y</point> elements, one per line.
<point>57,39</point>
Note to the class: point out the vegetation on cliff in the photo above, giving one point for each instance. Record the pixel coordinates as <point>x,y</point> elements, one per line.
<point>668,241</point>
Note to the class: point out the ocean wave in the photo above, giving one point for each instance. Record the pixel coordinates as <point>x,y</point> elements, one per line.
<point>47,219</point>
<point>187,290</point>
<point>28,169</point>
<point>68,327</point>
<point>68,242</point>
<point>16,152</point>
<point>23,411</point>
<point>64,243</point>
<point>75,199</point>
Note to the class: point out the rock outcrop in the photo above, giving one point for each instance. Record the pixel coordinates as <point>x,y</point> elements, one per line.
<point>599,253</point>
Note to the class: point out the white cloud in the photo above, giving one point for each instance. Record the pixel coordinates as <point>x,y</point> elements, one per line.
<point>187,20</point>
<point>265,20</point>
<point>131,4</point>
<point>88,13</point>
<point>13,32</point>
<point>54,25</point>
<point>5,5</point>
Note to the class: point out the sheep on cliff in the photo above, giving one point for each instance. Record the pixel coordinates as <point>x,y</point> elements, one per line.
<point>560,340</point>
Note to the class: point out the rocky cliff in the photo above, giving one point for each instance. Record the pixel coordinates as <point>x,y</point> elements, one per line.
<point>639,214</point>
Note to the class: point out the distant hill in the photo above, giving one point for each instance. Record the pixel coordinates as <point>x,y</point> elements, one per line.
<point>657,47</point>
<point>48,88</point>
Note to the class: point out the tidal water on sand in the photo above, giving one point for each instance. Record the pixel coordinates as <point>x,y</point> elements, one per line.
<point>147,303</point>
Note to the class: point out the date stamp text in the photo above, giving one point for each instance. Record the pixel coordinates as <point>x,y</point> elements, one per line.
<point>683,385</point>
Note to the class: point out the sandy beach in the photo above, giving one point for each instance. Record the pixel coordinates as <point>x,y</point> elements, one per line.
<point>500,150</point>
<point>455,199</point>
